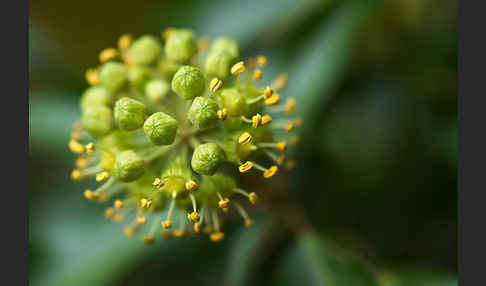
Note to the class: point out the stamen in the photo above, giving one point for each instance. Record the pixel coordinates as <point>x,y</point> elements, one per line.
<point>158,183</point>
<point>191,186</point>
<point>238,68</point>
<point>257,74</point>
<point>215,84</point>
<point>266,119</point>
<point>245,138</point>
<point>92,77</point>
<point>75,146</point>
<point>168,223</point>
<point>108,54</point>
<point>270,172</point>
<point>273,99</point>
<point>81,163</point>
<point>282,146</point>
<point>103,176</point>
<point>245,167</point>
<point>223,202</point>
<point>118,204</point>
<point>280,82</point>
<point>268,92</point>
<point>222,114</point>
<point>290,105</point>
<point>124,42</point>
<point>141,220</point>
<point>253,198</point>
<point>261,61</point>
<point>256,120</point>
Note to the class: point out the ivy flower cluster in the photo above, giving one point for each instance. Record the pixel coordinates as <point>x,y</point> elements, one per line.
<point>163,121</point>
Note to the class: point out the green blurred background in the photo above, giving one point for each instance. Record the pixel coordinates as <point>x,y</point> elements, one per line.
<point>373,200</point>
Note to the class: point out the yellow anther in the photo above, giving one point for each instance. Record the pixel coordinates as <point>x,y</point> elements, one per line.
<point>75,146</point>
<point>238,68</point>
<point>129,231</point>
<point>270,172</point>
<point>90,148</point>
<point>215,84</point>
<point>193,217</point>
<point>290,105</point>
<point>208,229</point>
<point>248,222</point>
<point>281,159</point>
<point>257,74</point>
<point>179,232</point>
<point>110,212</point>
<point>141,220</point>
<point>280,82</point>
<point>148,239</point>
<point>291,165</point>
<point>295,140</point>
<point>145,203</point>
<point>167,33</point>
<point>216,236</point>
<point>108,54</point>
<point>298,121</point>
<point>124,41</point>
<point>158,183</point>
<point>81,163</point>
<point>197,227</point>
<point>92,77</point>
<point>268,92</point>
<point>261,61</point>
<point>103,176</point>
<point>245,167</point>
<point>289,127</point>
<point>282,146</point>
<point>256,120</point>
<point>118,204</point>
<point>245,138</point>
<point>274,99</point>
<point>266,119</point>
<point>224,203</point>
<point>191,186</point>
<point>166,224</point>
<point>222,114</point>
<point>76,174</point>
<point>253,198</point>
<point>90,195</point>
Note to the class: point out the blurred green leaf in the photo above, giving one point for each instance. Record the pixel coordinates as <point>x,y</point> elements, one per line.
<point>415,278</point>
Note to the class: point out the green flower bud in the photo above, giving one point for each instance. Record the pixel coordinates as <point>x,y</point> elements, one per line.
<point>219,64</point>
<point>202,113</point>
<point>157,89</point>
<point>139,77</point>
<point>181,45</point>
<point>233,101</point>
<point>128,166</point>
<point>97,120</point>
<point>95,95</point>
<point>145,50</point>
<point>207,158</point>
<point>114,76</point>
<point>168,68</point>
<point>129,113</point>
<point>188,82</point>
<point>227,45</point>
<point>160,128</point>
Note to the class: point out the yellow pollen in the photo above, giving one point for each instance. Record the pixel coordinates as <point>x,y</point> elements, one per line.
<point>90,195</point>
<point>81,163</point>
<point>289,127</point>
<point>266,119</point>
<point>90,148</point>
<point>108,54</point>
<point>118,204</point>
<point>76,174</point>
<point>224,203</point>
<point>145,203</point>
<point>180,232</point>
<point>261,61</point>
<point>216,236</point>
<point>282,146</point>
<point>245,167</point>
<point>295,140</point>
<point>245,138</point>
<point>124,41</point>
<point>280,82</point>
<point>270,172</point>
<point>109,212</point>
<point>253,198</point>
<point>256,120</point>
<point>290,105</point>
<point>248,222</point>
<point>75,146</point>
<point>238,68</point>
<point>103,176</point>
<point>129,231</point>
<point>274,99</point>
<point>291,165</point>
<point>222,114</point>
<point>193,217</point>
<point>191,186</point>
<point>257,74</point>
<point>298,121</point>
<point>215,84</point>
<point>158,183</point>
<point>141,220</point>
<point>268,92</point>
<point>197,227</point>
<point>167,224</point>
<point>208,229</point>
<point>92,77</point>
<point>148,239</point>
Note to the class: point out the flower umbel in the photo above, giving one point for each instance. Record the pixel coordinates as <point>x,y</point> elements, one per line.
<point>164,118</point>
